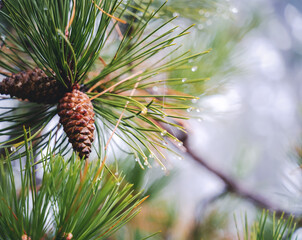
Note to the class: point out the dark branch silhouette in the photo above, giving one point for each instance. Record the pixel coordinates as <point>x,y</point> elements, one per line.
<point>231,185</point>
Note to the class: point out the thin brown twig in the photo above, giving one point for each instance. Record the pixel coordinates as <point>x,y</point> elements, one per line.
<point>118,83</point>
<point>99,83</point>
<point>6,73</point>
<point>118,30</point>
<point>109,15</point>
<point>122,114</point>
<point>71,19</point>
<point>231,184</point>
<point>118,122</point>
<point>234,187</point>
<point>103,61</point>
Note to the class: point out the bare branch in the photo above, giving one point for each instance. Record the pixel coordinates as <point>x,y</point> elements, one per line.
<point>231,184</point>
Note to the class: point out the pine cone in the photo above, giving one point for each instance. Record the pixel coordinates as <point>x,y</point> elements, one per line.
<point>77,117</point>
<point>33,85</point>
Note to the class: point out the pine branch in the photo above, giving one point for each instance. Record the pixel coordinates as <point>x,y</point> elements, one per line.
<point>231,184</point>
<point>74,197</point>
<point>234,187</point>
<point>265,227</point>
<point>41,27</point>
<point>70,59</point>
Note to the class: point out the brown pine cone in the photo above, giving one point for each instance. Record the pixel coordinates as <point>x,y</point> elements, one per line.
<point>77,117</point>
<point>33,85</point>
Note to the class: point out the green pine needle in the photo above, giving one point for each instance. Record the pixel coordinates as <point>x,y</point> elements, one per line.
<point>268,227</point>
<point>74,197</point>
<point>134,81</point>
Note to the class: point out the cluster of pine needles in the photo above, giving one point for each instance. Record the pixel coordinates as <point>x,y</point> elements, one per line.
<point>118,55</point>
<point>120,62</point>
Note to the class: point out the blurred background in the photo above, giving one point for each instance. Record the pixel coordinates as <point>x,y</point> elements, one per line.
<point>246,124</point>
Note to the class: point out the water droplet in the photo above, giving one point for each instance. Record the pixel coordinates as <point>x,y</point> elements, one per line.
<point>116,174</point>
<point>144,111</point>
<point>145,163</point>
<point>180,144</point>
<point>209,22</point>
<point>184,79</point>
<point>118,183</point>
<point>198,110</point>
<point>189,109</point>
<point>180,158</point>
<point>163,133</point>
<point>194,100</point>
<point>175,14</point>
<point>234,10</point>
<point>219,10</point>
<point>13,149</point>
<point>151,156</point>
<point>200,26</point>
<point>74,109</point>
<point>155,88</point>
<point>194,69</point>
<point>162,168</point>
<point>136,159</point>
<point>45,9</point>
<point>165,143</point>
<point>201,12</point>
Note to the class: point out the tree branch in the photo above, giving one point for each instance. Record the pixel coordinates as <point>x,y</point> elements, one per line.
<point>234,187</point>
<point>231,184</point>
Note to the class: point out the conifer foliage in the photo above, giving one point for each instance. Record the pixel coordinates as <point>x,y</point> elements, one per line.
<point>107,48</point>
<point>76,73</point>
<point>74,200</point>
<point>81,72</point>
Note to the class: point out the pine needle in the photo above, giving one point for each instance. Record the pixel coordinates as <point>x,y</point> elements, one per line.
<point>118,83</point>
<point>71,19</point>
<point>109,15</point>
